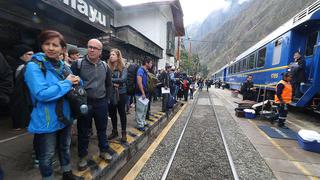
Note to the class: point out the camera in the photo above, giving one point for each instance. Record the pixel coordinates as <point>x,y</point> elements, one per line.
<point>77,97</point>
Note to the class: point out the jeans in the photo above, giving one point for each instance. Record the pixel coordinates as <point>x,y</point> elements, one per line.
<point>46,146</point>
<point>141,112</point>
<point>98,110</point>
<point>191,93</point>
<point>121,108</point>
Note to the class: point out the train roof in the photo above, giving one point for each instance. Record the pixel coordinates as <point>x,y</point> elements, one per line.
<point>220,69</point>
<point>310,13</point>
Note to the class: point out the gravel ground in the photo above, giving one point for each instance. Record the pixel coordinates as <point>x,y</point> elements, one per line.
<point>197,157</point>
<point>201,154</point>
<point>156,165</point>
<point>248,162</point>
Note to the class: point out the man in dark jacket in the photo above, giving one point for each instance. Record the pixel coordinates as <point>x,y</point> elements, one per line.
<point>165,80</point>
<point>6,86</point>
<point>6,81</point>
<point>298,71</point>
<point>248,90</point>
<point>22,54</point>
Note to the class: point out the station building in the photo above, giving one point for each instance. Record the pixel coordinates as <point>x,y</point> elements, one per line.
<point>161,22</point>
<point>21,21</point>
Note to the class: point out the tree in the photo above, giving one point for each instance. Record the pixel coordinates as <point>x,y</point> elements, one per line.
<point>192,65</point>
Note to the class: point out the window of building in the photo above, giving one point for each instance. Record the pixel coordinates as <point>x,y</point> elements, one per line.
<point>261,57</point>
<point>277,52</point>
<point>311,42</point>
<point>251,61</point>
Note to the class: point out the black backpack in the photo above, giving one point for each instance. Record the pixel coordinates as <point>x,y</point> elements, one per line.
<point>22,101</point>
<point>132,79</point>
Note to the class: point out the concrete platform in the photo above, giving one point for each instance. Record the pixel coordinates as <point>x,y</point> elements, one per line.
<point>16,148</point>
<point>285,158</point>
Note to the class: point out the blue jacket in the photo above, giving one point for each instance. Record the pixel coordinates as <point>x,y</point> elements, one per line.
<point>45,92</point>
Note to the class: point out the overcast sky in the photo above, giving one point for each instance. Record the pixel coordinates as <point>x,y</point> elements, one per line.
<point>193,10</point>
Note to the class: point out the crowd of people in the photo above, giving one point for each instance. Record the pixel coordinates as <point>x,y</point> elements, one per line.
<point>40,84</point>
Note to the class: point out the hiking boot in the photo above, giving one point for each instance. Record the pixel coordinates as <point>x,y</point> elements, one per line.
<point>283,126</point>
<point>113,135</point>
<point>69,176</point>
<point>141,129</point>
<point>105,156</point>
<point>124,137</point>
<point>82,164</point>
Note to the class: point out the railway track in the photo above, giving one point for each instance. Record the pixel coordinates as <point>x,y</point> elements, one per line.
<point>201,151</point>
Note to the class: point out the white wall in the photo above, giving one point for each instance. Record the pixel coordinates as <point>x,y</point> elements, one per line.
<point>151,21</point>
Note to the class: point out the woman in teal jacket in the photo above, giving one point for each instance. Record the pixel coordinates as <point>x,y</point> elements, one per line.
<point>45,78</point>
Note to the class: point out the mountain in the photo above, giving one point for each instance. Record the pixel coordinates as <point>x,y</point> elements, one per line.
<point>238,28</point>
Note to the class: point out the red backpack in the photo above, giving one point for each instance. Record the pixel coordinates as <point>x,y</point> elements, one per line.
<point>185,84</point>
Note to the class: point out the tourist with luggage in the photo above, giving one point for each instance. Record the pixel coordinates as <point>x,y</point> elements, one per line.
<point>96,76</point>
<point>22,54</point>
<point>142,94</point>
<point>165,81</point>
<point>49,80</point>
<point>118,98</point>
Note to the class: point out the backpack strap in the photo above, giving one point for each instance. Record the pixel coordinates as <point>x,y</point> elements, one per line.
<point>79,66</point>
<point>41,65</point>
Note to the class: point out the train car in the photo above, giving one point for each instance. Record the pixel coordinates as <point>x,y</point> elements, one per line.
<point>270,57</point>
<point>220,74</point>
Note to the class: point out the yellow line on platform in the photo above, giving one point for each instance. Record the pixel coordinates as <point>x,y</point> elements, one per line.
<point>292,159</point>
<point>135,170</point>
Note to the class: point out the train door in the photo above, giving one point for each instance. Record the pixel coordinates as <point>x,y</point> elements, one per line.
<point>311,41</point>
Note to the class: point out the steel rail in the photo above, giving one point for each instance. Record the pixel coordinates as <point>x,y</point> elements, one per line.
<point>166,172</point>
<point>233,169</point>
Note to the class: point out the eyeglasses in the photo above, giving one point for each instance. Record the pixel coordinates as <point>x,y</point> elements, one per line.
<point>94,48</point>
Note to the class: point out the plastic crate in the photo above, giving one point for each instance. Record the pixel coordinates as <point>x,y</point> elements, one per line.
<point>249,115</point>
<point>313,146</point>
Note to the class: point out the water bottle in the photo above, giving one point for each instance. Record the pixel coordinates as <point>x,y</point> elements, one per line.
<point>84,109</point>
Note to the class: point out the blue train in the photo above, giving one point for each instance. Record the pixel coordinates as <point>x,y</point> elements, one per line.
<point>270,57</point>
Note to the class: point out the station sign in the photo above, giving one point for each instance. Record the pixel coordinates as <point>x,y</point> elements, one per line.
<point>85,10</point>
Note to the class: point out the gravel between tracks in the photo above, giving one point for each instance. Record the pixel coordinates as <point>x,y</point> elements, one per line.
<point>249,164</point>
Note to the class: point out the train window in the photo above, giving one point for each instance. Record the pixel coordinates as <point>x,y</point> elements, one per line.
<point>277,52</point>
<point>234,68</point>
<point>251,62</point>
<point>244,64</point>
<point>311,42</point>
<point>238,66</point>
<point>261,57</point>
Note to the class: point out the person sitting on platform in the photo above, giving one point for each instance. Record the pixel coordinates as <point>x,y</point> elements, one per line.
<point>248,90</point>
<point>283,97</point>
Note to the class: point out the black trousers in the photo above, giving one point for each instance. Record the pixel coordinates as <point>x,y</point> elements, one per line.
<point>121,109</point>
<point>296,90</point>
<point>165,98</point>
<point>283,111</point>
<point>185,94</point>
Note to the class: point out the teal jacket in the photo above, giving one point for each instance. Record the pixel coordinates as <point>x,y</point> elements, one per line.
<point>45,90</point>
